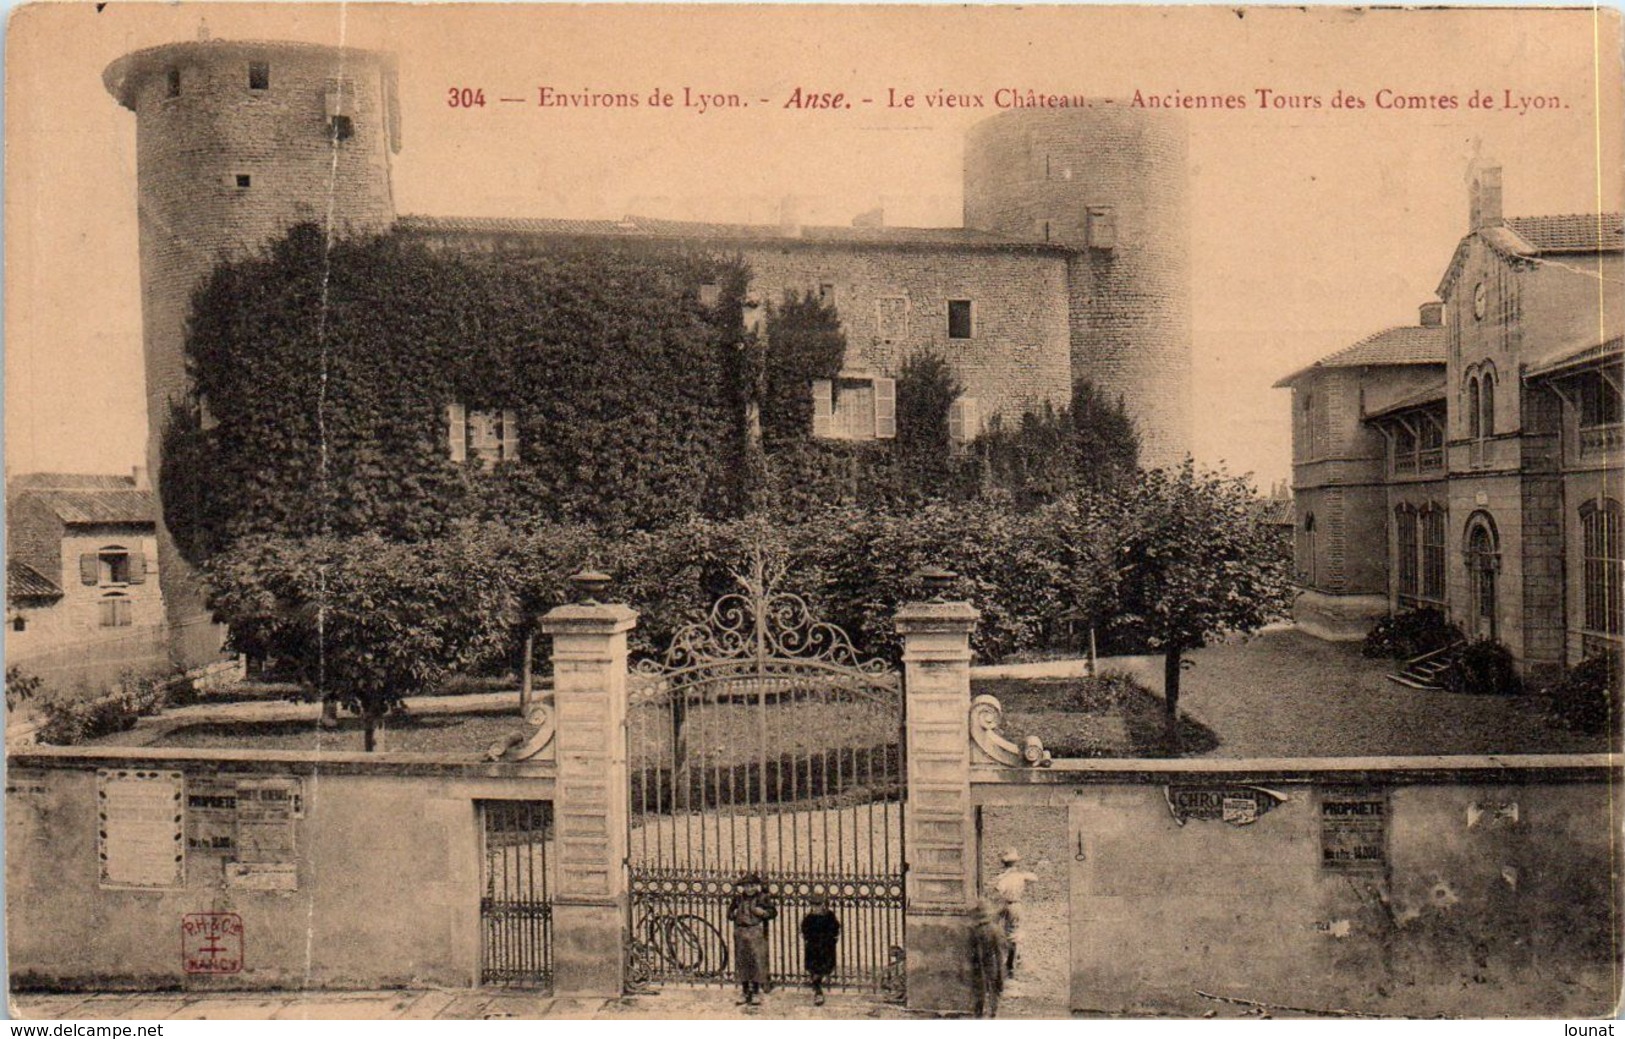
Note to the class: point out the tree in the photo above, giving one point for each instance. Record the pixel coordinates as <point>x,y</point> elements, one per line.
<point>1193,563</point>
<point>366,622</point>
<point>926,391</point>
<point>1107,444</point>
<point>806,344</point>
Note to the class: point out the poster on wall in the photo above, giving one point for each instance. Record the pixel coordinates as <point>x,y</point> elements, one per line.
<point>140,837</point>
<point>266,809</point>
<point>211,815</point>
<point>1353,831</point>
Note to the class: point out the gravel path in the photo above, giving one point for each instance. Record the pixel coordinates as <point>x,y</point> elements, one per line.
<point>1287,694</point>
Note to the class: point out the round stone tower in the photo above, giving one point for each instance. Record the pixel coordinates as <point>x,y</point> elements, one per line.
<point>236,142</point>
<point>1113,183</point>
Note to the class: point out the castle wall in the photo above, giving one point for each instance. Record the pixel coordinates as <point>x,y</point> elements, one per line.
<point>1113,183</point>
<point>1019,355</point>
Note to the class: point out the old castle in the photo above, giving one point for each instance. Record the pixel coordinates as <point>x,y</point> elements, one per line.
<point>1072,261</point>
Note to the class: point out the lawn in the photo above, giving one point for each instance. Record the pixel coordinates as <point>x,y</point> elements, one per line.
<point>1112,716</point>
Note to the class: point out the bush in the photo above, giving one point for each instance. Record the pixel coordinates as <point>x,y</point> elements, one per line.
<point>20,687</point>
<point>71,714</point>
<point>1410,634</point>
<point>1485,667</point>
<point>1587,697</point>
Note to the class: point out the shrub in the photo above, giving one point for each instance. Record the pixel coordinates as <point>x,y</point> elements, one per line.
<point>1410,634</point>
<point>1485,667</point>
<point>20,687</point>
<point>1587,697</point>
<point>71,714</point>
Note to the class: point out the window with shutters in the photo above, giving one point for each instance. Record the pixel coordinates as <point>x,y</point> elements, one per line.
<point>115,610</point>
<point>961,319</point>
<point>112,566</point>
<point>491,436</point>
<point>964,420</point>
<point>854,408</point>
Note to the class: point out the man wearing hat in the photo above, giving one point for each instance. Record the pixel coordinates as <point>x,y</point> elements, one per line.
<point>1011,886</point>
<point>749,912</point>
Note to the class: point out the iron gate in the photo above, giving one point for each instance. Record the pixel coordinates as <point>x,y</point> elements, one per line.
<point>516,914</point>
<point>762,742</point>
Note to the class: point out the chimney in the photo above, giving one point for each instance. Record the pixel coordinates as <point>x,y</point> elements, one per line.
<point>1432,314</point>
<point>789,217</point>
<point>139,474</point>
<point>1486,199</point>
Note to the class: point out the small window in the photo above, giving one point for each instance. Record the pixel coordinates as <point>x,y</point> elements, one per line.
<point>115,611</point>
<point>244,180</point>
<point>114,566</point>
<point>1101,227</point>
<point>826,293</point>
<point>891,317</point>
<point>960,324</point>
<point>343,128</point>
<point>259,75</point>
<point>18,623</point>
<point>173,78</point>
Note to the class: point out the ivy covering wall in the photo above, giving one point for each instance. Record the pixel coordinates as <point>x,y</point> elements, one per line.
<point>324,372</point>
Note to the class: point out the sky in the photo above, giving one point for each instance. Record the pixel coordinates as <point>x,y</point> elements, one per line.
<point>1312,226</point>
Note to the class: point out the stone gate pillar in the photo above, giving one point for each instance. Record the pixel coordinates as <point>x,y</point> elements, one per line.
<point>589,810</point>
<point>940,838</point>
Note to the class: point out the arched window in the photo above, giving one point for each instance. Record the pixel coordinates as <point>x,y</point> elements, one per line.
<point>1473,416</point>
<point>1604,566</point>
<point>1486,424</point>
<point>1483,558</point>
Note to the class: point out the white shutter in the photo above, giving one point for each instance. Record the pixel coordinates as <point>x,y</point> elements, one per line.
<point>968,415</point>
<point>510,436</point>
<point>457,432</point>
<point>956,420</point>
<point>823,394</point>
<point>885,409</point>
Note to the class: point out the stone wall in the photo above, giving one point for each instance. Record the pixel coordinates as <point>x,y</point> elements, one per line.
<point>1398,887</point>
<point>385,888</point>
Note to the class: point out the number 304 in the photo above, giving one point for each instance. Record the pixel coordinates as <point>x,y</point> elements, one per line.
<point>465,97</point>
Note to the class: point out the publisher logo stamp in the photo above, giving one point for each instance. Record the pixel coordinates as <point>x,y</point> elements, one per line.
<point>212,943</point>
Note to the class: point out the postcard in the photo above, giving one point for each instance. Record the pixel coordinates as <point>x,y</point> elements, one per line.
<point>813,512</point>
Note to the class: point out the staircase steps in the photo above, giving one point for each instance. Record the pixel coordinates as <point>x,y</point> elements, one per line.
<point>1425,671</point>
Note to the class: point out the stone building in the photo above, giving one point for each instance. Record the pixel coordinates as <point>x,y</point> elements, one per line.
<point>1072,261</point>
<point>82,591</point>
<point>1471,463</point>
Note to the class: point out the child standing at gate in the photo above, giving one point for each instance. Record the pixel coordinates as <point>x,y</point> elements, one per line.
<point>820,930</point>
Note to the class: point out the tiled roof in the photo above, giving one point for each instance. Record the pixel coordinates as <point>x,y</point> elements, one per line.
<point>1431,395</point>
<point>24,582</point>
<point>637,227</point>
<point>1571,232</point>
<point>1530,237</point>
<point>1406,344</point>
<point>71,482</point>
<point>1575,356</point>
<point>127,507</point>
<point>1275,512</point>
